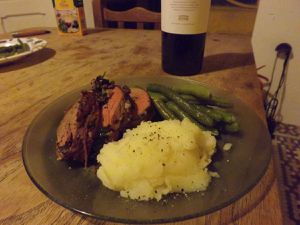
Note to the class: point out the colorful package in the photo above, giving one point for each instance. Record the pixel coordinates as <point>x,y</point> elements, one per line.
<point>70,16</point>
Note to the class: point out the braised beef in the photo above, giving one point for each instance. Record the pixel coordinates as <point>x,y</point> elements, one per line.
<point>100,115</point>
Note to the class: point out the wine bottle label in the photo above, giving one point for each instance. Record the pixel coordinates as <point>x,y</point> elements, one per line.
<point>184,16</point>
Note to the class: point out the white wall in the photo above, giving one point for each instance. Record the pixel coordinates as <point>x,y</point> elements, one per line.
<point>279,21</point>
<point>19,21</point>
<point>89,16</point>
<point>19,7</point>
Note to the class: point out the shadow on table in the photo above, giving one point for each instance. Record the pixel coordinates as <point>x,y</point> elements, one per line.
<point>223,61</point>
<point>97,30</point>
<point>30,60</point>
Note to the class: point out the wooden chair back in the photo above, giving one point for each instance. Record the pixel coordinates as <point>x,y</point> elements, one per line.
<point>139,15</point>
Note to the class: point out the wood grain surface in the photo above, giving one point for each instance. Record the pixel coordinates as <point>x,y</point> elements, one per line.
<point>27,86</point>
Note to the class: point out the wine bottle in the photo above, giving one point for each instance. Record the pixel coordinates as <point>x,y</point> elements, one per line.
<point>184,26</point>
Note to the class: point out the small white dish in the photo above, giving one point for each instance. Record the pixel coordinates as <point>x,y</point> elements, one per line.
<point>35,44</point>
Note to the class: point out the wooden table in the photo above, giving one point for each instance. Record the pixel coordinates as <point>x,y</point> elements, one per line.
<point>67,63</point>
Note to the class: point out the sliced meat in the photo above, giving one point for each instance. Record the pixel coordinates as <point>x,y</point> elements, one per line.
<point>116,113</point>
<point>113,110</point>
<point>125,109</point>
<point>100,115</point>
<point>142,103</point>
<point>78,129</point>
<point>66,130</point>
<point>141,99</point>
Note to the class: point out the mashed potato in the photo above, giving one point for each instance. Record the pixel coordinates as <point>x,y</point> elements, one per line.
<point>157,158</point>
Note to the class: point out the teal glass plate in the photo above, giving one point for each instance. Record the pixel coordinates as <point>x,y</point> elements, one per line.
<point>81,191</point>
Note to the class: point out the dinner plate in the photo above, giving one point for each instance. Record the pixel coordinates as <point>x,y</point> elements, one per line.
<point>35,44</point>
<point>79,189</point>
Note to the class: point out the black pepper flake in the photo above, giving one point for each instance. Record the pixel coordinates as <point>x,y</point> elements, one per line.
<point>163,164</point>
<point>161,150</point>
<point>133,151</point>
<point>182,190</point>
<point>155,191</point>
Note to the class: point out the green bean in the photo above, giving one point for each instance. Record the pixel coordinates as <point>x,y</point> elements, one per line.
<point>189,97</point>
<point>210,112</point>
<point>13,49</point>
<point>183,104</point>
<point>157,96</point>
<point>232,127</point>
<point>200,93</point>
<point>213,101</point>
<point>182,114</point>
<point>163,110</point>
<point>217,113</point>
<point>195,90</point>
<point>218,101</point>
<point>227,117</point>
